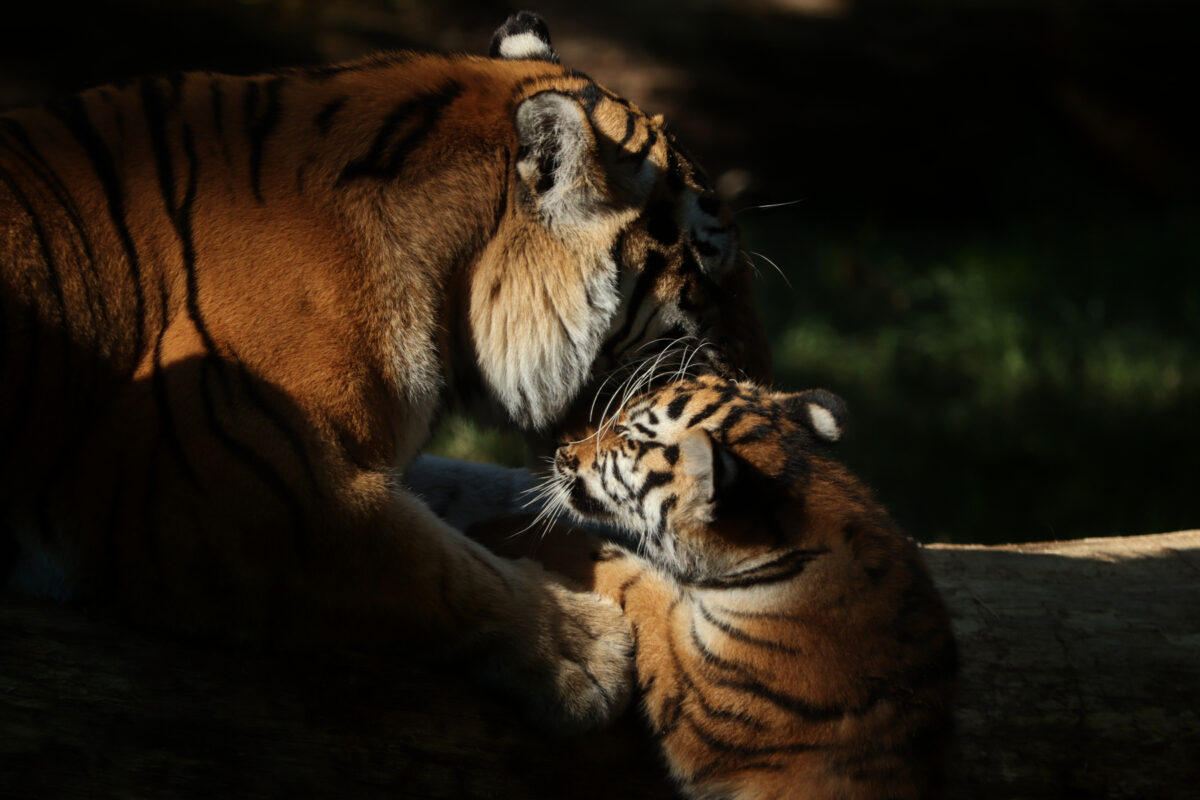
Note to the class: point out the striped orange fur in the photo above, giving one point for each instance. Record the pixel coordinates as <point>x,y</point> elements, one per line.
<point>231,308</point>
<point>789,641</point>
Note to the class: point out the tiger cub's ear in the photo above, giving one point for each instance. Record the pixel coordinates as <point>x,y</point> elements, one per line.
<point>711,467</point>
<point>523,35</point>
<point>822,412</point>
<point>556,160</point>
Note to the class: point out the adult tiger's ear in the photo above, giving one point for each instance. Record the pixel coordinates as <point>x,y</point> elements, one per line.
<point>556,159</point>
<point>523,35</point>
<point>822,412</point>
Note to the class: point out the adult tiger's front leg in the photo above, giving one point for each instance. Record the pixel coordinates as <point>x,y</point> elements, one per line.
<point>564,654</point>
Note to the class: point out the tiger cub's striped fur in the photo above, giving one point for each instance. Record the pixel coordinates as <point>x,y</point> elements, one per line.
<point>789,642</point>
<point>231,307</point>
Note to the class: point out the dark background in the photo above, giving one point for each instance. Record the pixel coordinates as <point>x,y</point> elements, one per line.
<point>992,233</point>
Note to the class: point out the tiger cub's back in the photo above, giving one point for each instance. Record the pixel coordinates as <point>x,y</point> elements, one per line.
<point>790,642</point>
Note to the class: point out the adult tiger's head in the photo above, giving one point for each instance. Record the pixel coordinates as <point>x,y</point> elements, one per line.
<point>708,477</point>
<point>612,248</point>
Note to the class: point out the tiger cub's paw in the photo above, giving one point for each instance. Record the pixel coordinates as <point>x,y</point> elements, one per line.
<point>577,672</point>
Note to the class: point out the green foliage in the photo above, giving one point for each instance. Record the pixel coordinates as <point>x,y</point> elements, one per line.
<point>1003,385</point>
<point>458,437</point>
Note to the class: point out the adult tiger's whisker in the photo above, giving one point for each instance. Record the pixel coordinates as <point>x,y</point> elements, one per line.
<point>773,264</point>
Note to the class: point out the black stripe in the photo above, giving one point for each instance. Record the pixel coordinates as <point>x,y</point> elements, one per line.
<point>264,124</point>
<point>181,218</point>
<point>663,510</point>
<point>741,636</point>
<point>163,402</point>
<point>388,152</point>
<point>324,118</point>
<point>53,276</point>
<point>735,415</point>
<point>37,164</point>
<point>693,691</point>
<point>638,157</point>
<point>676,406</point>
<point>629,130</point>
<point>793,705</point>
<point>612,96</point>
<point>711,658</point>
<point>742,751</point>
<point>755,434</point>
<point>257,464</point>
<point>294,439</point>
<point>179,214</point>
<point>73,114</point>
<point>706,412</point>
<point>724,395</point>
<point>654,267</point>
<point>782,568</point>
<point>609,472</point>
<point>625,587</point>
<point>589,96</point>
<point>31,157</point>
<point>155,108</point>
<point>216,90</point>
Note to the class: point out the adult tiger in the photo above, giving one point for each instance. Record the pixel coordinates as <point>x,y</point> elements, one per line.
<point>232,307</point>
<point>789,641</point>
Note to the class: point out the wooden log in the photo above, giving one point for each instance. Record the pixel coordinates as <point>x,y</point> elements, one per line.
<point>1081,679</point>
<point>1080,667</point>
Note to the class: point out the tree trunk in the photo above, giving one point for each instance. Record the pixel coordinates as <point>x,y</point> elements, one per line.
<point>1080,679</point>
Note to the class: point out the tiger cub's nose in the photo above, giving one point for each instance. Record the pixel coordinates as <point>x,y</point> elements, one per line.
<point>564,461</point>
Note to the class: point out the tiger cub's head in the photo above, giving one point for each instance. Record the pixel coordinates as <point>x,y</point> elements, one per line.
<point>613,248</point>
<point>704,476</point>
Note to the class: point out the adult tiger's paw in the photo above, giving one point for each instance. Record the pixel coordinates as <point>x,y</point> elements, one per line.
<point>591,661</point>
<point>572,667</point>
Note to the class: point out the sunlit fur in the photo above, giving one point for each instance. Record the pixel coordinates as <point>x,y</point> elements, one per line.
<point>789,641</point>
<point>231,308</point>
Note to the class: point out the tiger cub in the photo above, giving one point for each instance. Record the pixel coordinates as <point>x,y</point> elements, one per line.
<point>789,641</point>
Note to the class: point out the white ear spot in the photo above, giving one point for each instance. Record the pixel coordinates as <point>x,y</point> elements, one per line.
<point>824,423</point>
<point>525,45</point>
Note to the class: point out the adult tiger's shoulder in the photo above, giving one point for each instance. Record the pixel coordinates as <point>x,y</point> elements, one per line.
<point>230,308</point>
<point>789,640</point>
